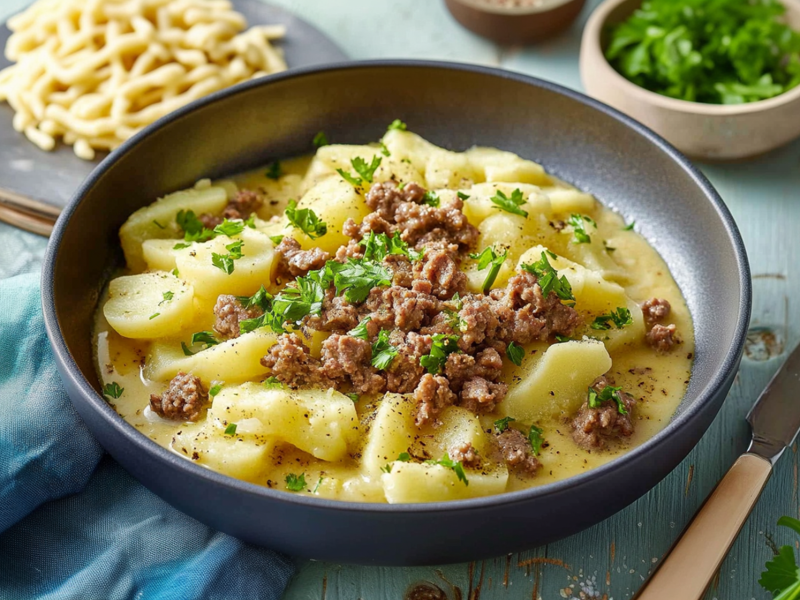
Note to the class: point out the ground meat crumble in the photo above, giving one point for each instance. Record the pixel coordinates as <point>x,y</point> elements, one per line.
<point>661,337</point>
<point>594,428</point>
<point>183,400</point>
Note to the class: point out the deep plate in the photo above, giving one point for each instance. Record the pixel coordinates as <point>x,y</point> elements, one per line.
<point>52,177</point>
<point>578,139</point>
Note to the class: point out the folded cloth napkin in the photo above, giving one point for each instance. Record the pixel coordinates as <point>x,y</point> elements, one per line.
<point>73,523</point>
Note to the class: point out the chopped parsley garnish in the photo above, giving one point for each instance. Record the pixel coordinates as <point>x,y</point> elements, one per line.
<point>607,394</point>
<point>378,246</point>
<point>215,389</point>
<point>782,575</point>
<point>515,353</point>
<point>456,467</point>
<point>353,397</point>
<point>536,439</point>
<point>306,220</point>
<point>320,140</point>
<point>579,228</point>
<point>357,277</point>
<point>186,351</point>
<point>274,170</point>
<point>261,299</point>
<point>502,424</point>
<point>442,346</point>
<point>251,221</point>
<point>167,296</point>
<point>316,487</point>
<point>207,338</point>
<point>175,272</point>
<point>402,457</point>
<point>193,229</point>
<point>276,239</point>
<point>453,318</point>
<point>153,316</point>
<point>360,331</point>
<point>224,262</point>
<point>510,204</point>
<point>384,149</point>
<point>159,225</point>
<point>619,318</point>
<point>230,429</point>
<point>296,483</point>
<point>398,125</point>
<point>230,228</point>
<point>629,226</point>
<point>354,181</point>
<point>112,390</point>
<point>489,258</point>
<point>383,352</point>
<point>548,279</point>
<point>273,383</point>
<point>431,199</point>
<point>367,171</point>
<point>296,301</point>
<point>563,338</point>
<point>462,196</point>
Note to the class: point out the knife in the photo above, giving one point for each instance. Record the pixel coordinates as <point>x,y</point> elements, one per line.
<point>692,562</point>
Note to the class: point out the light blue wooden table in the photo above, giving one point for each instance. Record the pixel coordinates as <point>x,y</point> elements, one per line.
<point>610,560</point>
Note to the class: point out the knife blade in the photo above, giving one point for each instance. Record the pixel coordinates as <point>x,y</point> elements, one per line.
<point>775,417</point>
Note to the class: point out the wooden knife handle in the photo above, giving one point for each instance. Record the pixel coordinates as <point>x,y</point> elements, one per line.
<point>695,558</point>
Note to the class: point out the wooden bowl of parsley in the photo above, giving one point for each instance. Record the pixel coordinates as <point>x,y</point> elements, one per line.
<point>719,79</point>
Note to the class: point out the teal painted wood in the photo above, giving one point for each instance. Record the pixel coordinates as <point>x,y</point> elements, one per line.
<point>610,560</point>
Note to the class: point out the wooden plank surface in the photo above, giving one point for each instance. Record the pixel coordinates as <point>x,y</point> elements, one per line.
<point>610,560</point>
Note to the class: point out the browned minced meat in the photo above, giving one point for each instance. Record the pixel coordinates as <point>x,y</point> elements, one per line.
<point>593,428</point>
<point>420,224</point>
<point>480,395</point>
<point>385,198</point>
<point>183,400</point>
<point>517,452</point>
<point>433,394</point>
<point>243,204</point>
<point>461,367</point>
<point>294,262</point>
<point>405,372</point>
<point>655,310</point>
<point>662,338</point>
<point>347,359</point>
<point>438,272</point>
<point>290,362</point>
<point>230,312</point>
<point>400,308</point>
<point>466,454</point>
<point>337,314</point>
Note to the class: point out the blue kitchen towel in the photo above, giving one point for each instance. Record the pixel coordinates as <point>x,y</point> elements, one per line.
<point>75,525</point>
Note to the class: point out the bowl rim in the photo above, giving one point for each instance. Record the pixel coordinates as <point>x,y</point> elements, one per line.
<point>69,368</point>
<point>514,11</point>
<point>590,43</point>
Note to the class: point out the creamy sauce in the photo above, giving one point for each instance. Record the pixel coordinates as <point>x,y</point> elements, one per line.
<point>657,381</point>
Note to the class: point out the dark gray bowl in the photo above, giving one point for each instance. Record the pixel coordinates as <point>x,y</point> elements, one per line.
<point>600,150</point>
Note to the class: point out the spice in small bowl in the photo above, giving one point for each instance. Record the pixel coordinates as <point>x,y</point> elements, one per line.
<point>515,21</point>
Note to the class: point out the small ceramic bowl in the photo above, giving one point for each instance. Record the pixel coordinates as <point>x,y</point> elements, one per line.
<point>515,22</point>
<point>705,131</point>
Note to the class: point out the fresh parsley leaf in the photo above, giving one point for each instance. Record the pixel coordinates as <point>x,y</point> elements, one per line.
<point>548,279</point>
<point>273,383</point>
<point>579,228</point>
<point>224,262</point>
<point>536,439</point>
<point>502,424</point>
<point>383,352</point>
<point>431,199</point>
<point>295,301</point>
<point>175,272</point>
<point>186,351</point>
<point>316,487</point>
<point>782,575</point>
<point>296,483</point>
<point>367,171</point>
<point>181,245</point>
<point>619,317</point>
<point>629,226</point>
<point>112,390</point>
<point>402,457</point>
<point>489,258</point>
<point>357,277</point>
<point>563,338</point>
<point>273,170</point>
<point>230,429</point>
<point>515,353</point>
<point>193,228</point>
<point>261,299</point>
<point>607,394</point>
<point>276,239</point>
<point>353,397</point>
<point>215,389</point>
<point>462,196</point>
<point>306,220</point>
<point>398,125</point>
<point>206,338</point>
<point>443,345</point>
<point>230,228</point>
<point>320,140</point>
<point>456,467</point>
<point>251,221</point>
<point>354,181</point>
<point>378,246</point>
<point>360,331</point>
<point>384,149</point>
<point>167,296</point>
<point>153,316</point>
<point>159,225</point>
<point>510,204</point>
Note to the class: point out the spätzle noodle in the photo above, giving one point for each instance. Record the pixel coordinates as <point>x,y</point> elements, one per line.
<point>94,72</point>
